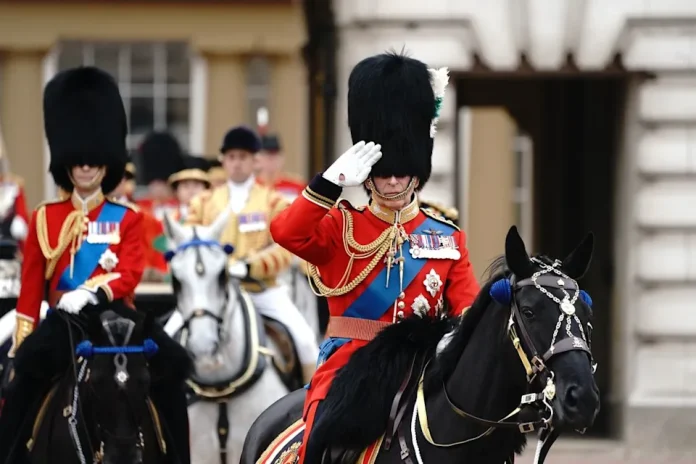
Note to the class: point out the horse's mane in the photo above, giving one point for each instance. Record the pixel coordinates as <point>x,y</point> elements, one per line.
<point>447,360</point>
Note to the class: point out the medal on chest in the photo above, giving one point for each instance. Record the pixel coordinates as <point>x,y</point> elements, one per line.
<point>104,232</point>
<point>433,245</point>
<point>252,222</point>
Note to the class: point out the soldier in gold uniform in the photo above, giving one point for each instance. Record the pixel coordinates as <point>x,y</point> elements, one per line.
<point>255,256</point>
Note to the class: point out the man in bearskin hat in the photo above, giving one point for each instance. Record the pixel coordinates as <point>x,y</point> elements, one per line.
<point>391,259</point>
<point>160,157</point>
<point>255,255</point>
<point>125,189</point>
<point>189,182</point>
<point>85,250</point>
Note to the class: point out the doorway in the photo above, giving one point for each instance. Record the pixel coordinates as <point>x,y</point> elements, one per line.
<point>575,128</point>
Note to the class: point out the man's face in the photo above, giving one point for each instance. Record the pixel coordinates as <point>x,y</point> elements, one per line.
<point>86,177</point>
<point>238,164</point>
<point>187,189</point>
<point>270,164</point>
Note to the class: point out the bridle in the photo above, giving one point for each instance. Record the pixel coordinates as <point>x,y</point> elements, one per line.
<point>84,352</point>
<point>196,243</point>
<point>541,389</point>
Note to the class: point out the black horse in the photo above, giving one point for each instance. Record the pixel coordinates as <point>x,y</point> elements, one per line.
<point>518,362</point>
<point>102,408</point>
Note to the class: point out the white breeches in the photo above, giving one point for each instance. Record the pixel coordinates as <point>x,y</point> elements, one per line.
<point>276,304</point>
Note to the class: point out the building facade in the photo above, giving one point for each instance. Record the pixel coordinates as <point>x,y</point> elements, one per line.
<point>195,68</point>
<point>647,49</point>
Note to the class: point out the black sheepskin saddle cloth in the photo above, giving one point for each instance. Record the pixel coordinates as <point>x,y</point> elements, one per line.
<point>356,410</point>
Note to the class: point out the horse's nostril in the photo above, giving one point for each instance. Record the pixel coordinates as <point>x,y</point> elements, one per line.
<point>572,397</point>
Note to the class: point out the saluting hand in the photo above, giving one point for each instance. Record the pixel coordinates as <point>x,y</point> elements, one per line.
<point>353,167</point>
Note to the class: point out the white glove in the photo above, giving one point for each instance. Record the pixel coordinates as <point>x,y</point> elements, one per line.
<point>238,269</point>
<point>73,302</point>
<point>19,228</point>
<point>353,167</point>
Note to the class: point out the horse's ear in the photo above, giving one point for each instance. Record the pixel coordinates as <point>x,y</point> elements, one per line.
<point>578,261</point>
<point>516,255</point>
<point>173,230</point>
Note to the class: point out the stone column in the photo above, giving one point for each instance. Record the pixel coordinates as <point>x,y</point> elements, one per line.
<point>288,110</point>
<point>21,117</point>
<point>227,99</point>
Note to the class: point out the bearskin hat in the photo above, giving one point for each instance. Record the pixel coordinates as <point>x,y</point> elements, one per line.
<point>160,156</point>
<point>391,102</point>
<point>241,138</point>
<point>270,143</point>
<point>85,124</point>
<point>195,168</point>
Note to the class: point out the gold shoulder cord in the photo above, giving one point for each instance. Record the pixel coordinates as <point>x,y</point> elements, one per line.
<point>377,249</point>
<point>70,235</point>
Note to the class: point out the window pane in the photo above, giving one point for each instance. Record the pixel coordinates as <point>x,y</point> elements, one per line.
<point>106,57</point>
<point>258,71</point>
<point>141,115</point>
<point>178,63</point>
<point>142,64</point>
<point>70,55</point>
<point>177,114</point>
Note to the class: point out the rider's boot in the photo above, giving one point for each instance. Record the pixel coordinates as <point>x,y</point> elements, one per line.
<point>173,409</point>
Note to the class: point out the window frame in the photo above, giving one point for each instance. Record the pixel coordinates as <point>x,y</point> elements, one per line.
<point>195,91</point>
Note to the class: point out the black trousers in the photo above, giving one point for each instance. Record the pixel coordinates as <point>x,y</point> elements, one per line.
<point>40,360</point>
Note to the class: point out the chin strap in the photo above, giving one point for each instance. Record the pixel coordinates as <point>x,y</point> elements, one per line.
<point>407,192</point>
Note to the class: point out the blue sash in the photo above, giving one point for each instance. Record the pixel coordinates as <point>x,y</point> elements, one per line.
<point>87,257</point>
<point>376,298</point>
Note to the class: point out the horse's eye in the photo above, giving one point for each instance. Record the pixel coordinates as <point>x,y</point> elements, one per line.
<point>527,313</point>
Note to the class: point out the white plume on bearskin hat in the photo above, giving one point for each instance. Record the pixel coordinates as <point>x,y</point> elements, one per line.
<point>392,102</point>
<point>85,124</point>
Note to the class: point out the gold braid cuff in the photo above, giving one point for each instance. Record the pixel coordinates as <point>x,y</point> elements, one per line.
<point>376,249</point>
<point>70,235</point>
<point>23,327</point>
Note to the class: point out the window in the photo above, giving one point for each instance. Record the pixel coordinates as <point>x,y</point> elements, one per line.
<point>523,196</point>
<point>154,79</point>
<point>258,87</point>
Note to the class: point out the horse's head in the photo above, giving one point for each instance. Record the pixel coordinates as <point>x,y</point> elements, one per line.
<point>550,324</point>
<point>115,384</point>
<point>198,264</point>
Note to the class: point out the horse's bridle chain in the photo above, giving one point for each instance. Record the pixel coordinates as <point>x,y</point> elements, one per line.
<point>566,312</point>
<point>533,365</point>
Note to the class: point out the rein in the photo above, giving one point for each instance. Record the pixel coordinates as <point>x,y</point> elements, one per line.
<point>535,366</point>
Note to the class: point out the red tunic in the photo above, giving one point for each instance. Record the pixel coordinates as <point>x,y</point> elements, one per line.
<point>154,232</point>
<point>288,186</point>
<point>111,280</point>
<point>15,185</point>
<point>313,229</point>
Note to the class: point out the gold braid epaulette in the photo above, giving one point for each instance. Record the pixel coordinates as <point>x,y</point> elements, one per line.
<point>377,249</point>
<point>70,235</point>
